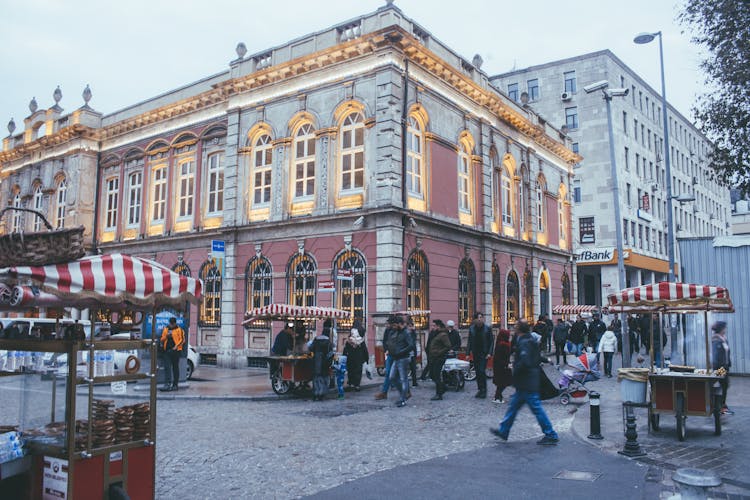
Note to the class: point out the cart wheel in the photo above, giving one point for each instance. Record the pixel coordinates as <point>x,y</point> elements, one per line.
<point>471,374</point>
<point>654,419</point>
<point>461,382</point>
<point>564,399</point>
<point>381,371</point>
<point>717,416</point>
<point>280,386</point>
<point>681,418</point>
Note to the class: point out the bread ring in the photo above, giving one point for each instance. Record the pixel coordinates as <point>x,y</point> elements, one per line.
<point>132,364</point>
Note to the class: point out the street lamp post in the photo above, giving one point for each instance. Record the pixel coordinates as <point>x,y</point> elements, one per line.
<point>607,94</point>
<point>643,38</point>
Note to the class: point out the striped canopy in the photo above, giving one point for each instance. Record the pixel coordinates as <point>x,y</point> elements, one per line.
<point>289,311</point>
<point>573,309</point>
<point>416,312</point>
<point>113,279</point>
<point>672,296</point>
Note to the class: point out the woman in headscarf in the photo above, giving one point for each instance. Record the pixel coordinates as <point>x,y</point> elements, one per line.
<point>322,352</point>
<point>502,376</point>
<point>357,355</point>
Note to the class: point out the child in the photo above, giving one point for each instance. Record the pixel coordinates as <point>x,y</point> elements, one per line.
<point>339,366</point>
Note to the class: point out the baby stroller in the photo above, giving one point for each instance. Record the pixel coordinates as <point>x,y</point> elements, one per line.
<point>572,381</point>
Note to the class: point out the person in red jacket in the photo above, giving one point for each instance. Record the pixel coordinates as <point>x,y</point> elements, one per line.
<point>172,342</point>
<point>502,376</point>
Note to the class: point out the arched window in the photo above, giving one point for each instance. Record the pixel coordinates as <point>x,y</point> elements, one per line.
<point>301,280</point>
<point>185,188</point>
<point>507,198</point>
<point>61,199</point>
<point>528,295</point>
<point>544,293</point>
<point>351,285</point>
<point>464,179</point>
<point>39,207</point>
<point>497,290</point>
<point>512,299</point>
<point>135,187</point>
<point>467,290</point>
<point>210,309</point>
<point>158,193</point>
<point>183,269</point>
<point>17,224</point>
<point>258,283</point>
<point>303,174</point>
<point>112,191</point>
<point>417,286</point>
<point>262,170</point>
<point>215,182</point>
<point>414,157</point>
<point>540,205</point>
<point>562,217</point>
<point>565,284</point>
<point>352,152</point>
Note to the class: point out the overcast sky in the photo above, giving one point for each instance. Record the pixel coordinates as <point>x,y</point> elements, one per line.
<point>133,50</point>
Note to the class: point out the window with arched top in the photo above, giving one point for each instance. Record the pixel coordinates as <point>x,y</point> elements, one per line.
<point>215,183</point>
<point>562,217</point>
<point>39,207</point>
<point>17,220</point>
<point>507,197</point>
<point>565,284</point>
<point>352,151</point>
<point>414,157</point>
<point>540,208</point>
<point>512,299</point>
<point>467,290</point>
<point>301,276</point>
<point>183,269</point>
<point>158,193</point>
<point>258,283</point>
<point>544,293</point>
<point>135,193</point>
<point>303,170</point>
<point>61,198</point>
<point>210,307</point>
<point>464,179</point>
<point>497,290</point>
<point>349,273</point>
<point>262,171</point>
<point>417,286</point>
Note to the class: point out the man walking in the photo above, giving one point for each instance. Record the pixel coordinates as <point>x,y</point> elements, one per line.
<point>454,336</point>
<point>399,347</point>
<point>560,336</point>
<point>439,348</point>
<point>527,375</point>
<point>480,347</point>
<point>578,333</point>
<point>596,330</point>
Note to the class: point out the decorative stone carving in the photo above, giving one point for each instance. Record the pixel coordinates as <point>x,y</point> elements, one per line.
<point>477,61</point>
<point>86,94</point>
<point>33,106</point>
<point>419,242</point>
<point>11,126</point>
<point>241,50</point>
<point>323,198</point>
<point>301,247</point>
<point>348,242</point>
<point>258,248</point>
<point>57,95</point>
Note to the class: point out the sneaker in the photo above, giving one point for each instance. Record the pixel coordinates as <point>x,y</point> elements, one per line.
<point>548,441</point>
<point>401,404</point>
<point>436,397</point>
<point>356,388</point>
<point>726,411</point>
<point>496,432</point>
<point>497,401</point>
<point>381,395</point>
<point>341,396</point>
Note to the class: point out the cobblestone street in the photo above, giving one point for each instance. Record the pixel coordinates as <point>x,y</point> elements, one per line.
<point>290,448</point>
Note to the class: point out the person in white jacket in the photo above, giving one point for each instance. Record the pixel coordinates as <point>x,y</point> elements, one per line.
<point>608,345</point>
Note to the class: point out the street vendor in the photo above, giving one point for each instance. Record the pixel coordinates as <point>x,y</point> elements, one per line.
<point>299,345</point>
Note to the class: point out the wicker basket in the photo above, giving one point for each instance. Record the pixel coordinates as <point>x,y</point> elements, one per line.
<point>38,249</point>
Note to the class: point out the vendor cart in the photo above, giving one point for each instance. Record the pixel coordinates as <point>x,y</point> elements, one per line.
<point>681,391</point>
<point>295,371</point>
<point>421,319</point>
<point>76,445</point>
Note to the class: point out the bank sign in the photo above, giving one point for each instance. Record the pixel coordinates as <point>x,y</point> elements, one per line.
<point>595,255</point>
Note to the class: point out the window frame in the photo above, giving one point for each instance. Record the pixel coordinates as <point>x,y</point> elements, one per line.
<point>512,300</point>
<point>303,186</point>
<point>464,179</point>
<point>507,198</point>
<point>258,271</point>
<point>355,289</point>
<point>353,130</point>
<point>185,189</point>
<point>303,270</point>
<point>135,198</point>
<point>418,297</point>
<point>209,314</point>
<point>215,183</point>
<point>39,207</point>
<point>467,292</point>
<point>159,192</point>
<point>262,171</point>
<point>112,196</point>
<point>570,84</point>
<point>533,90</point>
<point>571,117</point>
<point>415,159</point>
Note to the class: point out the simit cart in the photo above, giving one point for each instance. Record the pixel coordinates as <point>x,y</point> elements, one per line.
<point>681,391</point>
<point>295,371</point>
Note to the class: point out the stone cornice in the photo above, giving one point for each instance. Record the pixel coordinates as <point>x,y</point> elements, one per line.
<point>62,136</point>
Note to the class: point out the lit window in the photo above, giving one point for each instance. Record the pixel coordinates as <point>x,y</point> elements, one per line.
<point>351,286</point>
<point>215,183</point>
<point>464,179</point>
<point>571,117</point>
<point>186,188</point>
<point>352,152</point>
<point>540,207</point>
<point>302,281</point>
<point>259,283</point>
<point>304,162</point>
<point>112,194</point>
<point>183,270</point>
<point>135,185</point>
<point>497,291</point>
<point>562,219</point>
<point>533,89</point>
<point>570,81</point>
<point>512,299</point>
<point>159,193</point>
<point>262,164</point>
<point>466,292</point>
<point>507,200</point>
<point>414,157</point>
<point>417,286</point>
<point>38,206</point>
<point>210,307</point>
<point>62,196</point>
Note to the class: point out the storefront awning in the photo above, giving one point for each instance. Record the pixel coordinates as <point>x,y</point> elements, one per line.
<point>573,309</point>
<point>672,295</point>
<point>290,311</point>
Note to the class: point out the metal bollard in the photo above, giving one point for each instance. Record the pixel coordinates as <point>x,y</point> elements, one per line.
<point>632,448</point>
<point>594,417</point>
<point>693,484</point>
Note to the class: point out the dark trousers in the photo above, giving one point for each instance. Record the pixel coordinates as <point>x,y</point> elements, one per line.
<point>560,349</point>
<point>480,365</point>
<point>413,369</point>
<point>724,383</point>
<point>172,366</point>
<point>608,362</point>
<point>436,374</point>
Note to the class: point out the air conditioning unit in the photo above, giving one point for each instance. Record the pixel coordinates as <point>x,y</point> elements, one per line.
<point>566,96</point>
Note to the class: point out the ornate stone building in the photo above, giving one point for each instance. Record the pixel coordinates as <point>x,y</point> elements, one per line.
<point>366,166</point>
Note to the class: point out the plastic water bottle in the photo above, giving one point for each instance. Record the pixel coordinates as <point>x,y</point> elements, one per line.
<point>109,363</point>
<point>99,364</point>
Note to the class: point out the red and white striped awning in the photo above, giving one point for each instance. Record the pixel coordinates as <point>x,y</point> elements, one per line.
<point>672,296</point>
<point>290,311</point>
<point>573,309</point>
<point>416,312</point>
<point>111,279</point>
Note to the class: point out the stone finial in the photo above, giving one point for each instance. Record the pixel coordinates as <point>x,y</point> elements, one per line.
<point>57,95</point>
<point>477,61</point>
<point>11,126</point>
<point>241,50</point>
<point>389,2</point>
<point>33,106</point>
<point>86,94</point>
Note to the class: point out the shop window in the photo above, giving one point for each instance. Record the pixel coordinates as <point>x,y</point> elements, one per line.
<point>210,307</point>
<point>497,290</point>
<point>351,286</point>
<point>417,286</point>
<point>301,280</point>
<point>512,299</point>
<point>467,289</point>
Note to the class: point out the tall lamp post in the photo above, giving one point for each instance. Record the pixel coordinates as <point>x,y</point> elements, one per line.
<point>608,94</point>
<point>640,39</point>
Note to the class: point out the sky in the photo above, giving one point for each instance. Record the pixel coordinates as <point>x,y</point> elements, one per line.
<point>131,51</point>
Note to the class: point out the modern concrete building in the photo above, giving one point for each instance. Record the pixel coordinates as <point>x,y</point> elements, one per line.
<point>555,91</point>
<point>366,166</point>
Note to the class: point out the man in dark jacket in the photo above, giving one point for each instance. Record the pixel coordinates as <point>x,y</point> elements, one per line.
<point>596,330</point>
<point>430,336</point>
<point>454,335</point>
<point>480,346</point>
<point>540,327</point>
<point>399,346</point>
<point>527,377</point>
<point>438,351</point>
<point>721,360</point>
<point>560,336</point>
<point>578,333</point>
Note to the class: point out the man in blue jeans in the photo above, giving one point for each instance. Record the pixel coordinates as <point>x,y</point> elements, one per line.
<point>527,374</point>
<point>399,344</point>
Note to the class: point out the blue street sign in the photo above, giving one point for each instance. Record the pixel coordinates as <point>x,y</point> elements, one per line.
<point>217,246</point>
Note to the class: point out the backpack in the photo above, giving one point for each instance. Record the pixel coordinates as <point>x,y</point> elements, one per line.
<point>398,344</point>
